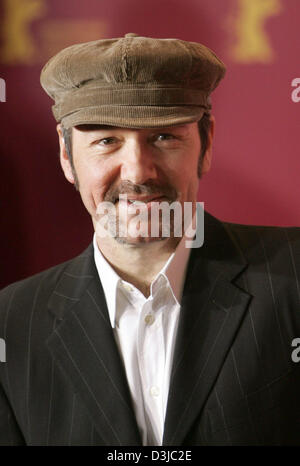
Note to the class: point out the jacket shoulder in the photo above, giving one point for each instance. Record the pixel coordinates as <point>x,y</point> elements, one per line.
<point>42,283</point>
<point>264,229</point>
<point>265,241</point>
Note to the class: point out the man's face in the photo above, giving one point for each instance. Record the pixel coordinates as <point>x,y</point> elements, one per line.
<point>147,165</point>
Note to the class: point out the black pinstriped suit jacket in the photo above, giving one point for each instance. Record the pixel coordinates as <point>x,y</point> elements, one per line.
<point>233,380</point>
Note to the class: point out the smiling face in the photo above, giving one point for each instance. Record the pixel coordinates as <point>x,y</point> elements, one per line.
<point>145,164</point>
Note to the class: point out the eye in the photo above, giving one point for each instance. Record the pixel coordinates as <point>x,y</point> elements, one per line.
<point>164,136</point>
<point>107,141</point>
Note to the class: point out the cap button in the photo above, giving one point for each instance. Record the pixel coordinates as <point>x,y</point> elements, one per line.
<point>131,34</point>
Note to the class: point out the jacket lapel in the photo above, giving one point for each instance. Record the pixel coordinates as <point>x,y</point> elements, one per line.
<point>211,313</point>
<point>84,347</point>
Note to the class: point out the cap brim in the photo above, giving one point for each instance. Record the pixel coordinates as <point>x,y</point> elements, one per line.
<point>134,116</point>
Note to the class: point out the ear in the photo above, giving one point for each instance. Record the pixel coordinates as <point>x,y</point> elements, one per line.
<point>64,158</point>
<point>206,163</point>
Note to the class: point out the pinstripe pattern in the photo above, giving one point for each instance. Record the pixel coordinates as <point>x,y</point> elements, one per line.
<point>93,395</point>
<point>50,404</point>
<point>72,422</point>
<point>272,290</point>
<point>99,309</point>
<point>28,364</point>
<point>237,373</point>
<point>106,369</point>
<point>293,262</point>
<point>233,381</point>
<point>223,418</point>
<point>51,392</point>
<point>184,350</point>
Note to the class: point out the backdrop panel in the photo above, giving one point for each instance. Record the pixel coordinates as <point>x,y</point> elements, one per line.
<point>254,177</point>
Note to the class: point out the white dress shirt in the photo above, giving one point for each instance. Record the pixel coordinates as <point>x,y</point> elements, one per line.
<point>145,332</point>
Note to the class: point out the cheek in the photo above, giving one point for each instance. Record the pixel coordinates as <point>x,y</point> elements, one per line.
<point>94,181</point>
<point>182,171</point>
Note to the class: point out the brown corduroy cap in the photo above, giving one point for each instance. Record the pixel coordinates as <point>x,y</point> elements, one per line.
<point>132,82</point>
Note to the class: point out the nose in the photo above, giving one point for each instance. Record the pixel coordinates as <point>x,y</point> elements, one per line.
<point>138,163</point>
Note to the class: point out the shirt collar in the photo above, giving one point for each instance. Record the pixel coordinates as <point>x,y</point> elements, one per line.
<point>174,272</point>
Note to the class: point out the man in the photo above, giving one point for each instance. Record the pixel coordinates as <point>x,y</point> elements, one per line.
<point>142,340</point>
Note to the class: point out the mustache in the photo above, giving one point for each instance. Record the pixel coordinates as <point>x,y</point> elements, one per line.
<point>148,188</point>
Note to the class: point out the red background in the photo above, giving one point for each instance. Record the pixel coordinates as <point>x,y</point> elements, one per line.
<point>254,177</point>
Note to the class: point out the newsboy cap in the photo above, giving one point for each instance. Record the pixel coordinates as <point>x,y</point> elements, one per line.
<point>132,82</point>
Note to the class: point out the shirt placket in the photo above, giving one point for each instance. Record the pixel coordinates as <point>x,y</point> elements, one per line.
<point>151,358</point>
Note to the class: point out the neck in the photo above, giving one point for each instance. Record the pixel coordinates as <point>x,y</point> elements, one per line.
<point>137,264</point>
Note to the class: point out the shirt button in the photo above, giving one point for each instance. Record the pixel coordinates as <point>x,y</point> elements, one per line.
<point>149,319</point>
<point>154,391</point>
